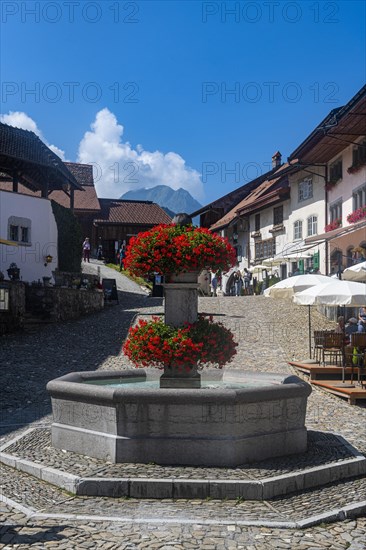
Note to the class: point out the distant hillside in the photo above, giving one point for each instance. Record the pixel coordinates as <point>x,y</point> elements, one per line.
<point>172,200</point>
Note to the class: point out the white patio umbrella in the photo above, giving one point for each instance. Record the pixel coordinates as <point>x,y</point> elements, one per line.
<point>355,273</point>
<point>336,293</point>
<point>273,261</point>
<point>287,288</point>
<point>257,268</point>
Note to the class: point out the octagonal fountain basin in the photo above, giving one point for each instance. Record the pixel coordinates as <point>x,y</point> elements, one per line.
<point>236,417</point>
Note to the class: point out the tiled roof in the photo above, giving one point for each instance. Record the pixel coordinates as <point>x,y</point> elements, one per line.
<point>83,173</point>
<point>85,200</point>
<point>22,190</point>
<point>251,199</point>
<point>22,151</point>
<point>131,212</point>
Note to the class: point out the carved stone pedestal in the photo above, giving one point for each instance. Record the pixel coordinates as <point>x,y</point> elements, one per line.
<point>181,299</point>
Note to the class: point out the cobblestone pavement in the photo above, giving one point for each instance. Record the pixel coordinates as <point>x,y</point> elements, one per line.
<point>36,515</point>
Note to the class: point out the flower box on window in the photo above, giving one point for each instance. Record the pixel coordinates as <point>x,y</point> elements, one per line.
<point>333,225</point>
<point>357,215</point>
<point>358,158</point>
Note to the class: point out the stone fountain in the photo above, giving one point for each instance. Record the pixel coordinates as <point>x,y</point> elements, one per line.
<point>232,418</point>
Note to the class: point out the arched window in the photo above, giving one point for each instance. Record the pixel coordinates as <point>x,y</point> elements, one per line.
<point>335,260</point>
<point>349,256</point>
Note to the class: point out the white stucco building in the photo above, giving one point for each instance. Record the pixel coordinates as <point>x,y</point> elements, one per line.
<point>29,171</point>
<point>28,222</point>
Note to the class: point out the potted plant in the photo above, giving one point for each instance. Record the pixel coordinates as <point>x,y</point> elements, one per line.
<point>174,249</point>
<point>333,225</point>
<point>180,351</point>
<point>357,215</point>
<point>183,341</point>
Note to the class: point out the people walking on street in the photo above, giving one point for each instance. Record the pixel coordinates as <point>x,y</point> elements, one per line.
<point>86,250</point>
<point>214,284</point>
<point>122,255</point>
<point>238,283</point>
<point>247,278</point>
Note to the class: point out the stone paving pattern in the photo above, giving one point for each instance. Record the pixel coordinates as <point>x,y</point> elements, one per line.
<point>36,446</point>
<point>270,333</point>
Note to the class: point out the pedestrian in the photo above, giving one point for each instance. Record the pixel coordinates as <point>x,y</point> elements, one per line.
<point>122,255</point>
<point>214,284</point>
<point>362,319</point>
<point>247,278</point>
<point>100,252</point>
<point>340,325</point>
<point>238,282</point>
<point>86,250</point>
<point>351,326</point>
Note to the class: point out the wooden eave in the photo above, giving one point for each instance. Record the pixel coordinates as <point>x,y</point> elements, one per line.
<point>34,176</point>
<point>341,128</point>
<point>269,199</point>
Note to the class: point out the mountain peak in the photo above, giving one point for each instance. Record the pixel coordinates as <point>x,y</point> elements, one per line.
<point>179,200</point>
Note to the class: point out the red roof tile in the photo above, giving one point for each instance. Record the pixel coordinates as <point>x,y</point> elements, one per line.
<point>85,200</point>
<point>247,201</point>
<point>131,212</point>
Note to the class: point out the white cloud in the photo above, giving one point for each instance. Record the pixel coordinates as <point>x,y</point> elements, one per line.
<point>22,120</point>
<point>119,167</point>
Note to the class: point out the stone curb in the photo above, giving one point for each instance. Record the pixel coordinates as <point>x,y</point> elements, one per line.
<point>173,488</point>
<point>341,514</point>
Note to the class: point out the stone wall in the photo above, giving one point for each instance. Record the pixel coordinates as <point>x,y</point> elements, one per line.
<point>52,304</point>
<point>13,318</point>
<point>62,304</point>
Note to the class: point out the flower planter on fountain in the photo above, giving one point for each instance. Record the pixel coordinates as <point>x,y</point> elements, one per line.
<point>180,252</point>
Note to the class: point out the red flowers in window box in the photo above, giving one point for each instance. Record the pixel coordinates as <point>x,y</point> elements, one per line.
<point>333,225</point>
<point>175,249</point>
<point>357,215</point>
<point>153,343</point>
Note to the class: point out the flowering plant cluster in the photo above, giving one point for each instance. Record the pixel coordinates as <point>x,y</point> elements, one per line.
<point>357,215</point>
<point>153,343</point>
<point>333,225</point>
<point>355,168</point>
<point>175,248</point>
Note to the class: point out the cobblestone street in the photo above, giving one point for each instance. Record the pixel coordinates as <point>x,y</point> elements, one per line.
<point>37,515</point>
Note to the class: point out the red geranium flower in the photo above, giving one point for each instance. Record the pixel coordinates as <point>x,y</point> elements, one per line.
<point>175,248</point>
<point>155,344</point>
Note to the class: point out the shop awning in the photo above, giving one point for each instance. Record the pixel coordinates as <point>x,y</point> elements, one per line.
<point>340,231</point>
<point>8,243</point>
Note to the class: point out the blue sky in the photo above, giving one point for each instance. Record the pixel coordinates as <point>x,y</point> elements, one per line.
<point>154,80</point>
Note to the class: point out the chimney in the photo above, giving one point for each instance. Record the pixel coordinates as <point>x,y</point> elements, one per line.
<point>276,159</point>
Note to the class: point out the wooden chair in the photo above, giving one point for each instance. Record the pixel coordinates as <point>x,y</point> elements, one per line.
<point>333,346</point>
<point>358,340</point>
<point>318,344</point>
